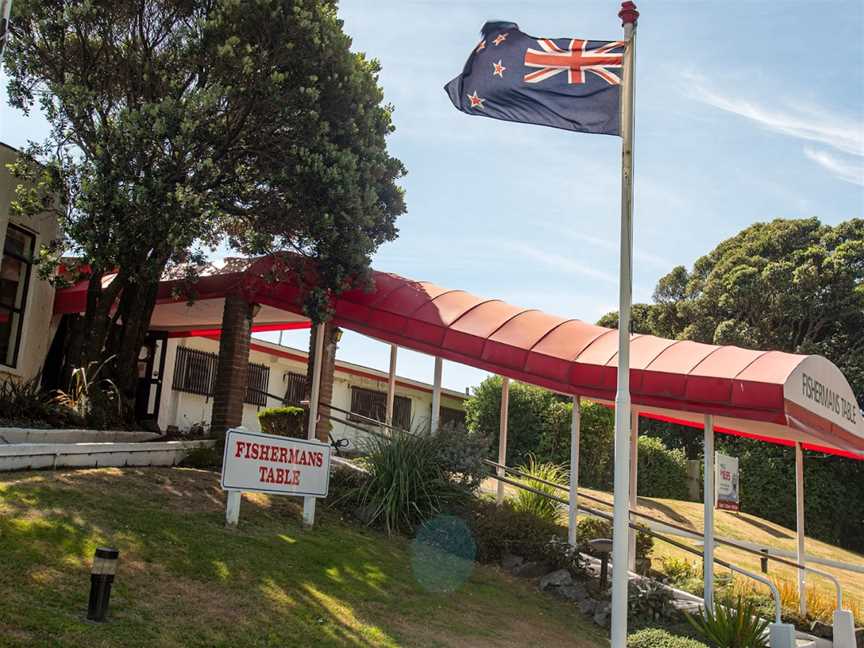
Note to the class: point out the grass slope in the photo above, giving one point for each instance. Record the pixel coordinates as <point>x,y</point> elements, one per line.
<point>186,580</point>
<point>744,527</point>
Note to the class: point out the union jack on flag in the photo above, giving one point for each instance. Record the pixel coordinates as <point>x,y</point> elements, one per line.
<point>576,60</point>
<point>568,83</point>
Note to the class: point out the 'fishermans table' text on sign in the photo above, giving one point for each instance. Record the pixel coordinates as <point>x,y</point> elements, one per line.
<point>266,463</point>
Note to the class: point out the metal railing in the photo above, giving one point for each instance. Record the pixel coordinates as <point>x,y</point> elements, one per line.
<point>695,532</point>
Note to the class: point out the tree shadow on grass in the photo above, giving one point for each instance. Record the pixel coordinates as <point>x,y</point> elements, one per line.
<point>668,511</point>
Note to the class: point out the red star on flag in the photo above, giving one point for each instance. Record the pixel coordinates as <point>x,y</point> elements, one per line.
<point>500,38</point>
<point>481,46</point>
<point>476,102</point>
<point>499,69</point>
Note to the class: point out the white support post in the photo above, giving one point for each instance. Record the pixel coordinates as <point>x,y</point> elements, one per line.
<point>708,501</point>
<point>621,483</point>
<point>434,421</point>
<point>575,423</point>
<point>314,397</point>
<point>634,484</point>
<point>502,437</point>
<point>799,528</point>
<point>232,509</point>
<point>391,386</point>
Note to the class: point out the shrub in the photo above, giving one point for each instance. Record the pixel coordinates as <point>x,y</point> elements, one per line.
<point>591,528</point>
<point>499,530</point>
<point>204,458</point>
<point>406,483</point>
<point>535,503</point>
<point>24,403</point>
<point>284,421</point>
<point>461,455</point>
<point>731,626</point>
<point>648,600</point>
<point>657,638</point>
<point>662,472</point>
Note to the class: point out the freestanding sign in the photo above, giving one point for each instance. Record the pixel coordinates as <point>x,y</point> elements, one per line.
<point>266,463</point>
<point>728,495</point>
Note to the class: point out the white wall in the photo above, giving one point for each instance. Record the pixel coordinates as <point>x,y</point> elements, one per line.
<point>184,410</point>
<point>39,305</point>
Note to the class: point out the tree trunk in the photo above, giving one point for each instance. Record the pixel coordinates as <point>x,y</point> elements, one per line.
<point>328,368</point>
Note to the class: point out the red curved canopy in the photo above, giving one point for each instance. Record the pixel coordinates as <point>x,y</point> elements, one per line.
<point>771,395</point>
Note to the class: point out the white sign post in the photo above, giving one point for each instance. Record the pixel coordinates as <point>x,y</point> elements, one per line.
<point>265,463</point>
<point>728,495</point>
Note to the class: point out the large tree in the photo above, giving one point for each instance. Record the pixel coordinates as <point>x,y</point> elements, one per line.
<point>178,123</point>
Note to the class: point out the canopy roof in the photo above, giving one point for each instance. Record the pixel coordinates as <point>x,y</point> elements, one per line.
<point>779,397</point>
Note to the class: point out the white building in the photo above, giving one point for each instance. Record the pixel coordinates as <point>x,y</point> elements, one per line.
<point>26,302</point>
<point>185,393</point>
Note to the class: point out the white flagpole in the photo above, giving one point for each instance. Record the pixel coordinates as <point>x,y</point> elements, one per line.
<point>621,513</point>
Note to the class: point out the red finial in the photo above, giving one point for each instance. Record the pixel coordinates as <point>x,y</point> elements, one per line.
<point>628,13</point>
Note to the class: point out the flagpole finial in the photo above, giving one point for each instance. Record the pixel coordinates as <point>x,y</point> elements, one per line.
<point>628,13</point>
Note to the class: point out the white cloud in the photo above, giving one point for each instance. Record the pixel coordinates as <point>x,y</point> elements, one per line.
<point>566,265</point>
<point>833,130</point>
<point>848,171</point>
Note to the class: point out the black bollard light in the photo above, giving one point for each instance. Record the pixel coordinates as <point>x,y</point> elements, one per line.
<point>101,577</point>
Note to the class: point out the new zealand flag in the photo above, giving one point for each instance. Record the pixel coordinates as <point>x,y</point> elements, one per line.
<point>567,83</point>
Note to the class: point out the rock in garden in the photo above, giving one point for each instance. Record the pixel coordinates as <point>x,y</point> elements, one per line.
<point>531,569</point>
<point>511,561</point>
<point>601,615</point>
<point>555,579</point>
<point>575,592</point>
<point>587,606</point>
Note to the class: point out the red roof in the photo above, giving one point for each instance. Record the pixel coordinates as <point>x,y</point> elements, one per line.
<point>765,394</point>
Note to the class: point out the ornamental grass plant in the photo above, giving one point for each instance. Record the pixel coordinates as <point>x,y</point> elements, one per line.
<point>539,503</point>
<point>406,484</point>
<point>732,626</point>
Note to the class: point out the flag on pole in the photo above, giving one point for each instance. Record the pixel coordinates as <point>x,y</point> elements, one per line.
<point>566,83</point>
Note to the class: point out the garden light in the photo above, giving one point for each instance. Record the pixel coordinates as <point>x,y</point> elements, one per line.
<point>101,577</point>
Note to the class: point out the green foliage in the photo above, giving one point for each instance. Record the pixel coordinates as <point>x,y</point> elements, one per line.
<point>527,416</point>
<point>188,124</point>
<point>649,601</point>
<point>461,454</point>
<point>23,403</point>
<point>736,626</point>
<point>539,423</point>
<point>499,530</point>
<point>768,489</point>
<point>284,421</point>
<point>790,285</point>
<point>592,528</point>
<point>203,458</point>
<point>662,472</point>
<point>657,638</point>
<point>535,503</point>
<point>406,485</point>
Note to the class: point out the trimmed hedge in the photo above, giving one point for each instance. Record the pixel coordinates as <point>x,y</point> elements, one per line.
<point>657,638</point>
<point>662,472</point>
<point>284,421</point>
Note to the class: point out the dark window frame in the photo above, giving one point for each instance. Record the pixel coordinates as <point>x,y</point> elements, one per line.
<point>195,373</point>
<point>378,400</point>
<point>295,389</point>
<point>451,415</point>
<point>13,310</point>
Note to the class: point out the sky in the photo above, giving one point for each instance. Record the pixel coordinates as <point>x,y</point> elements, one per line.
<point>745,112</point>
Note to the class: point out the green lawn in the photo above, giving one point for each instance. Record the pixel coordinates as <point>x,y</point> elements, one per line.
<point>186,580</point>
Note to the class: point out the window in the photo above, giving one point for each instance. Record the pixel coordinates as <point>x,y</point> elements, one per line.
<point>450,416</point>
<point>195,373</point>
<point>257,381</point>
<point>373,404</point>
<point>296,388</point>
<point>14,279</point>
